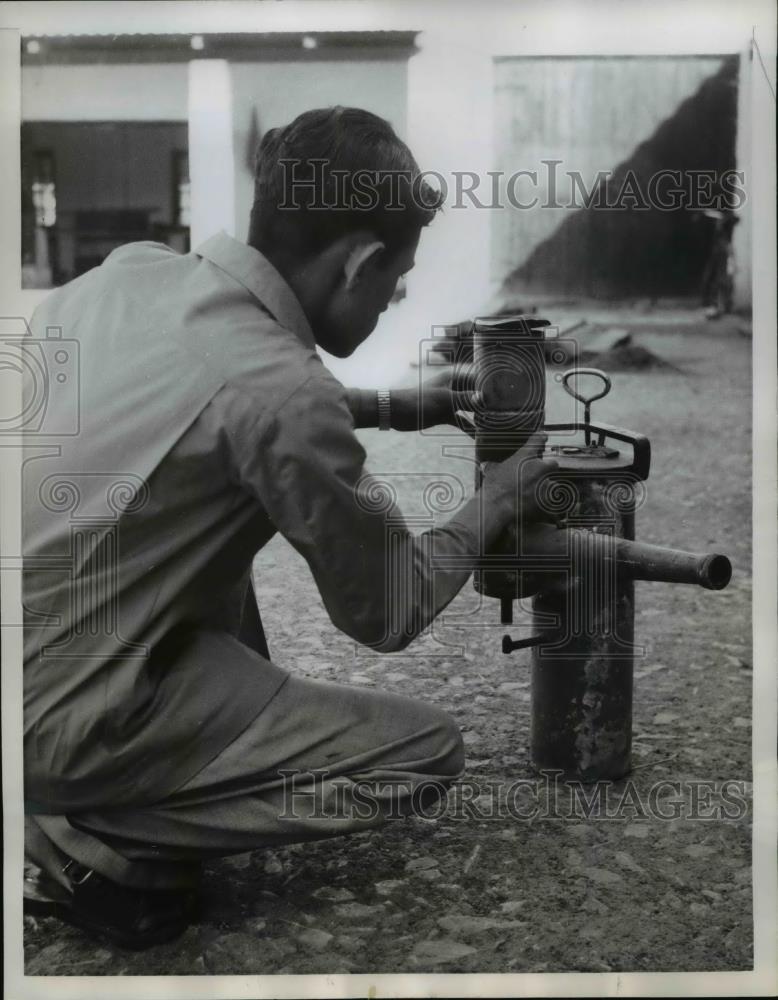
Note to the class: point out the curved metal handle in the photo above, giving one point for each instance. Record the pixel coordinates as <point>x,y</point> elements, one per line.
<point>586,400</point>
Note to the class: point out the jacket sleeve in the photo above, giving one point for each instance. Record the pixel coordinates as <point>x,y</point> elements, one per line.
<point>381,584</point>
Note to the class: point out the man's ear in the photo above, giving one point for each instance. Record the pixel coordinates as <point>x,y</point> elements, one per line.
<point>358,258</point>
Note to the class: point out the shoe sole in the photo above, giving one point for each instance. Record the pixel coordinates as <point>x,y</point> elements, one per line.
<point>132,942</point>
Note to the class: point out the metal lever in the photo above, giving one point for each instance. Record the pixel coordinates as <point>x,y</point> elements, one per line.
<point>586,400</point>
<point>511,645</point>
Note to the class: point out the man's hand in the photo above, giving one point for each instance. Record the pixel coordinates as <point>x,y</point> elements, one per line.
<point>436,402</point>
<point>514,485</point>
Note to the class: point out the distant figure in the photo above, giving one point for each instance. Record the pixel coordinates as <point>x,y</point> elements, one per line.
<point>717,280</point>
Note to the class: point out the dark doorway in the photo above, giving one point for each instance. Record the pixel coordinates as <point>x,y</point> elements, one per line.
<point>88,187</point>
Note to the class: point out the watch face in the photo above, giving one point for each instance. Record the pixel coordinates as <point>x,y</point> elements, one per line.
<point>384,410</point>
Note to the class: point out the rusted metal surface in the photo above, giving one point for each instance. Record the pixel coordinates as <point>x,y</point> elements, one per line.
<point>631,559</point>
<point>582,680</point>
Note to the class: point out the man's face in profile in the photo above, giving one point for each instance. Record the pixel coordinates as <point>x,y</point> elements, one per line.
<point>353,312</point>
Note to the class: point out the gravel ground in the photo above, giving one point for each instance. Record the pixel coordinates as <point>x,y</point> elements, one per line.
<point>467,891</point>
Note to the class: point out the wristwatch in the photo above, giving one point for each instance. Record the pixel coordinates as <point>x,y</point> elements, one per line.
<point>384,410</point>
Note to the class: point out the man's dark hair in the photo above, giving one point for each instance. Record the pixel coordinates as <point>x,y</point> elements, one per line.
<point>334,171</point>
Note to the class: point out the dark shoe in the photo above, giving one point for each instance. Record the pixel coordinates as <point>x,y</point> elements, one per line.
<point>127,917</point>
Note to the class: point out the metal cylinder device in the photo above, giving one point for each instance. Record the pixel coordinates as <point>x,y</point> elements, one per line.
<point>580,577</point>
<point>510,385</point>
<point>582,666</point>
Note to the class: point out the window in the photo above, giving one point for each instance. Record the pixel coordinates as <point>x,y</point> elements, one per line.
<point>44,195</point>
<point>91,186</point>
<point>182,189</point>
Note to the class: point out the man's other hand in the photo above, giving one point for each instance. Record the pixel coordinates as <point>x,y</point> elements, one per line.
<point>440,398</point>
<point>515,483</point>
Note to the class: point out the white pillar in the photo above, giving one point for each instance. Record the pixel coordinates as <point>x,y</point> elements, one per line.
<point>742,233</point>
<point>211,156</point>
<point>450,99</point>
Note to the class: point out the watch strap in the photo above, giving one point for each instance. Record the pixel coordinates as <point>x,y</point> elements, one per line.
<point>384,410</point>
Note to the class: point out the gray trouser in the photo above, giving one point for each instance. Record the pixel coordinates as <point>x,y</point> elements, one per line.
<point>320,760</point>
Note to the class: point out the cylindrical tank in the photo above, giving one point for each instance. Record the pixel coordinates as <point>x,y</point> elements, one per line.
<point>582,678</point>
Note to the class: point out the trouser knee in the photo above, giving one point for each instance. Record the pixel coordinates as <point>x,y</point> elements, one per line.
<point>447,760</point>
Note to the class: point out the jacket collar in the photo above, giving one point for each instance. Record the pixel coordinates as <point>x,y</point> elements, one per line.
<point>255,272</point>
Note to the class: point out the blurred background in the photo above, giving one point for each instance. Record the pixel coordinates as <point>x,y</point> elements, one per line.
<point>138,136</point>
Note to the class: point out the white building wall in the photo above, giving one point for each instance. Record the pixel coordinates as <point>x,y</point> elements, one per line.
<point>742,236</point>
<point>450,81</point>
<point>116,92</point>
<point>280,90</point>
<point>211,159</point>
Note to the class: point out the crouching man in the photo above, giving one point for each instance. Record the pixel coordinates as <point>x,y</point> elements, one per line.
<point>158,732</point>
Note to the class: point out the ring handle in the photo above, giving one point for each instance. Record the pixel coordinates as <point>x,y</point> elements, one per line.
<point>587,401</point>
